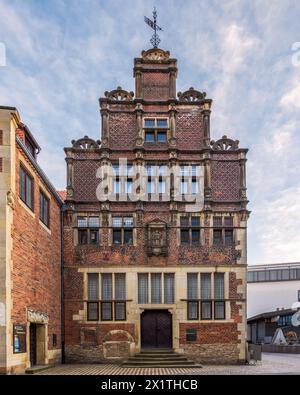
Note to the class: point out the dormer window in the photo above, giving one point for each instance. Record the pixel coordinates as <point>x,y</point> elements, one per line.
<point>156,130</point>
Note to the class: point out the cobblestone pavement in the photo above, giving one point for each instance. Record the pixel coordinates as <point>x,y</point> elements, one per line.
<point>271,364</point>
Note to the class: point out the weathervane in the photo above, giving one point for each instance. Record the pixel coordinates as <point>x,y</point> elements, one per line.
<point>155,40</point>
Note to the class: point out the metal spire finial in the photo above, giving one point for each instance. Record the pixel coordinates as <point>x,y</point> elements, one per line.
<point>155,40</point>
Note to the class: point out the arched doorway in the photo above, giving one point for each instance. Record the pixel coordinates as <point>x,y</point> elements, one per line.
<point>156,329</point>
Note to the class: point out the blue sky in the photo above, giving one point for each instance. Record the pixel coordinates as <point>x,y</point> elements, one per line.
<point>63,54</point>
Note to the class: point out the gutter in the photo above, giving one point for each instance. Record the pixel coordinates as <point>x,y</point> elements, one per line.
<point>62,288</point>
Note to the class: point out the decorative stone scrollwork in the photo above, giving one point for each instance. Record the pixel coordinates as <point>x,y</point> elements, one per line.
<point>37,317</point>
<point>119,94</point>
<point>155,54</point>
<point>86,143</point>
<point>225,144</point>
<point>191,95</point>
<point>10,197</point>
<point>157,238</point>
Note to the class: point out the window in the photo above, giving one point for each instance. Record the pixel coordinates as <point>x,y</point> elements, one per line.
<point>88,229</point>
<point>110,308</point>
<point>191,335</point>
<point>106,307</point>
<point>192,291</point>
<point>219,296</point>
<point>120,297</point>
<point>122,182</point>
<point>44,209</point>
<point>143,288</point>
<point>190,230</point>
<point>54,340</point>
<point>211,307</point>
<point>26,188</point>
<point>156,130</point>
<point>189,184</point>
<point>93,297</point>
<point>205,286</point>
<point>122,230</point>
<point>169,288</point>
<point>156,181</point>
<point>223,231</point>
<point>299,296</point>
<point>155,288</point>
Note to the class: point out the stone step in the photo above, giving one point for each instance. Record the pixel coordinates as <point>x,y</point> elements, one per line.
<point>158,351</point>
<point>36,369</point>
<point>158,363</point>
<point>159,357</point>
<point>177,366</point>
<point>156,360</point>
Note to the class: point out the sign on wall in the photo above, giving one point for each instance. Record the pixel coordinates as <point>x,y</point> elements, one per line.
<point>19,333</point>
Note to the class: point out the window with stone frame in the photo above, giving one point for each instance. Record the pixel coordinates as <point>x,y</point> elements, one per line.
<point>189,182</point>
<point>26,188</point>
<point>156,130</point>
<point>44,209</point>
<point>157,179</point>
<point>122,230</point>
<point>152,287</point>
<point>88,229</point>
<point>106,297</point>
<point>123,179</point>
<point>211,303</point>
<point>190,230</point>
<point>223,231</point>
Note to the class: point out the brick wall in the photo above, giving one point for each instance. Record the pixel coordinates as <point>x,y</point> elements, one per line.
<point>36,260</point>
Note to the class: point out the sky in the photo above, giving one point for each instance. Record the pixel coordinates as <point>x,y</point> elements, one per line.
<point>62,55</point>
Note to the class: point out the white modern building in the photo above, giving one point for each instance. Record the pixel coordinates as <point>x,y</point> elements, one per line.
<point>272,287</point>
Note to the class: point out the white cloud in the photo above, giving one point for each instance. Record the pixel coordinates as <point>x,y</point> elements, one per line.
<point>291,99</point>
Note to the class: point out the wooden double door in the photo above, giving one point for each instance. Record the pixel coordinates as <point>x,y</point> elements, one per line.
<point>156,329</point>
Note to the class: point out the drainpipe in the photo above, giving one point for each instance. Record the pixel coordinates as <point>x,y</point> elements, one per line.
<point>62,286</point>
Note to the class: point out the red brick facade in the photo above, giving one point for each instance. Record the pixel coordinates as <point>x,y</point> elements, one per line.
<point>188,142</point>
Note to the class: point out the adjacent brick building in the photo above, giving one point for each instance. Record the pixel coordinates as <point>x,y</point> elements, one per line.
<point>156,271</point>
<point>30,261</point>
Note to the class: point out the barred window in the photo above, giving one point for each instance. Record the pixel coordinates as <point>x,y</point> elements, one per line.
<point>169,288</point>
<point>156,288</point>
<point>142,288</point>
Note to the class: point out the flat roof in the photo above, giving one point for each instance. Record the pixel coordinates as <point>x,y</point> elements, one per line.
<point>270,266</point>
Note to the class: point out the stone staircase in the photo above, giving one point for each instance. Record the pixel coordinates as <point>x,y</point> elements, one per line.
<point>159,358</point>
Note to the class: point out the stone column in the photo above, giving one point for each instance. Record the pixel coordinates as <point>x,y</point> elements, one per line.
<point>207,178</point>
<point>105,126</point>
<point>173,75</point>
<point>206,125</point>
<point>70,178</point>
<point>172,113</point>
<point>138,85</point>
<point>243,188</point>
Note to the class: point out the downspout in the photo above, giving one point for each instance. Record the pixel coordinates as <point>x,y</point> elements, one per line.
<point>62,287</point>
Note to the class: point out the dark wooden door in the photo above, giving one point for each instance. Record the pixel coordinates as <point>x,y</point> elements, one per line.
<point>156,329</point>
<point>32,344</point>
